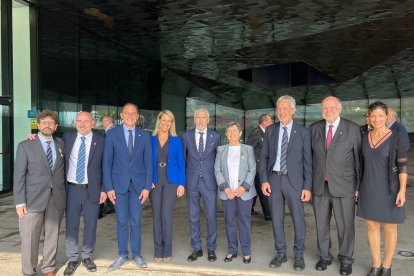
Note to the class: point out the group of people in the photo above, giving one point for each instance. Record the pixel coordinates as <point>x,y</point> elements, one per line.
<point>283,164</point>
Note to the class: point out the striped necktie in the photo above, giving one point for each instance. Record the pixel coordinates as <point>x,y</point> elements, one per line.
<point>283,151</point>
<point>80,167</point>
<point>49,155</point>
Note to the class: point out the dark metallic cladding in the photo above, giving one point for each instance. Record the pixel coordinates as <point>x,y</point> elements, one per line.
<point>367,46</point>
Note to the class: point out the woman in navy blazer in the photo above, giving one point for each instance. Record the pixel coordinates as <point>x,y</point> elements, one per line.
<point>167,182</point>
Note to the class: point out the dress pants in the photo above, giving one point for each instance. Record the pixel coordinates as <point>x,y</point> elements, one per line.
<point>210,205</point>
<point>30,228</point>
<point>237,216</point>
<point>264,200</point>
<point>77,205</point>
<point>163,198</point>
<point>128,211</point>
<point>283,191</point>
<point>344,211</point>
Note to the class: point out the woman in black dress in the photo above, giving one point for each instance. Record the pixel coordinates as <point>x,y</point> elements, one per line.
<point>382,191</point>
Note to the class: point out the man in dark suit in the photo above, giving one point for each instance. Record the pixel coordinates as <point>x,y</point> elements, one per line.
<point>255,140</point>
<point>83,159</point>
<point>396,126</point>
<point>286,175</point>
<point>40,194</point>
<point>127,172</point>
<point>336,153</point>
<point>200,145</point>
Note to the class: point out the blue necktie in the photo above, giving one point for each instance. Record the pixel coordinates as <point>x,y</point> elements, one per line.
<point>130,142</point>
<point>283,151</point>
<point>49,155</point>
<point>80,167</point>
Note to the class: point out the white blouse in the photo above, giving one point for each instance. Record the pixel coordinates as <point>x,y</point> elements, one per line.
<point>233,163</point>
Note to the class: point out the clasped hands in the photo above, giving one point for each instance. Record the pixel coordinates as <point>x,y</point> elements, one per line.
<point>231,194</point>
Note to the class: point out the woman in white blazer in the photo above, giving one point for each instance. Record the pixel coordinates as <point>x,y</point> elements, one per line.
<point>235,169</point>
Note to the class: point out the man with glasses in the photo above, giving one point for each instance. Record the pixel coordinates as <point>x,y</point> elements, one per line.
<point>40,194</point>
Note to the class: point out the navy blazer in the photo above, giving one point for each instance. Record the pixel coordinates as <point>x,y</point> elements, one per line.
<point>94,169</point>
<point>175,163</point>
<point>299,156</point>
<point>120,168</point>
<point>205,165</point>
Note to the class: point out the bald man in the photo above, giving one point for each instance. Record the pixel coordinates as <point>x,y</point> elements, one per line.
<point>83,159</point>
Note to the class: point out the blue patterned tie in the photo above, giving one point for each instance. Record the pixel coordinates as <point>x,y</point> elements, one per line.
<point>49,155</point>
<point>201,145</point>
<point>130,142</point>
<point>80,167</point>
<point>283,151</point>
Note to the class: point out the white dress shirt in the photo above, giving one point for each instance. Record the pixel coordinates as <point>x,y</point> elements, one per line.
<point>73,158</point>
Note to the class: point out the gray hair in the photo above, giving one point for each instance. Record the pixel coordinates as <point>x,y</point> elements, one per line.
<point>202,109</point>
<point>233,124</point>
<point>263,117</point>
<point>289,98</point>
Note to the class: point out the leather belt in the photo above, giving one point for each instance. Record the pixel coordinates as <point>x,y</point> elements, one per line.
<point>279,173</point>
<point>162,164</point>
<point>82,186</point>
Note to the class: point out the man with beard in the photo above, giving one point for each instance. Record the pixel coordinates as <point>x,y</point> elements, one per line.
<point>40,194</point>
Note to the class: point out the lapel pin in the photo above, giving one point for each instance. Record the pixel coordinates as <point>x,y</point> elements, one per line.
<point>94,144</point>
<point>294,131</point>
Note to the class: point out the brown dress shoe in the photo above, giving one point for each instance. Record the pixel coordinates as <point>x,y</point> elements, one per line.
<point>51,273</point>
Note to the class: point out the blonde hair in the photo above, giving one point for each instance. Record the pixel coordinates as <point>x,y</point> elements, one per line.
<point>172,130</point>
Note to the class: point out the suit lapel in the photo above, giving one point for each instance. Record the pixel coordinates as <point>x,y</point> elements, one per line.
<point>224,160</point>
<point>92,148</point>
<point>338,132</point>
<point>59,155</point>
<point>292,138</point>
<point>136,140</point>
<point>121,138</point>
<point>275,138</point>
<point>42,153</point>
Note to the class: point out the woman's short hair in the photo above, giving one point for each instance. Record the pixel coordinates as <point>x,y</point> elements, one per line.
<point>172,130</point>
<point>233,124</point>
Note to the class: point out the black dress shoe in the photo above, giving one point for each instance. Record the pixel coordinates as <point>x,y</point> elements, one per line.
<point>229,257</point>
<point>193,256</point>
<point>70,268</point>
<point>322,264</point>
<point>374,271</point>
<point>278,260</point>
<point>247,260</point>
<point>346,269</point>
<point>89,264</point>
<point>385,271</point>
<point>267,218</point>
<point>211,257</point>
<point>299,263</point>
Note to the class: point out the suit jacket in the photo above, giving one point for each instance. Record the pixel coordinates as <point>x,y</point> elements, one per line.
<point>120,168</point>
<point>94,169</point>
<point>299,157</point>
<point>255,140</point>
<point>193,162</point>
<point>342,163</point>
<point>33,179</point>
<point>247,171</point>
<point>175,164</point>
<point>398,127</point>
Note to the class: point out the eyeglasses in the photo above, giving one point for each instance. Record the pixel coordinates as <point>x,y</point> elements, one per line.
<point>49,123</point>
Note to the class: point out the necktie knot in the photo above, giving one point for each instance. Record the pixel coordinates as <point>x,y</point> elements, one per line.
<point>83,138</point>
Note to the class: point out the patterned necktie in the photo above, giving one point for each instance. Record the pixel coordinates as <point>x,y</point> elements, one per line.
<point>80,167</point>
<point>49,155</point>
<point>329,137</point>
<point>130,142</point>
<point>201,144</point>
<point>283,151</point>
